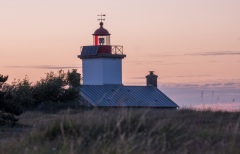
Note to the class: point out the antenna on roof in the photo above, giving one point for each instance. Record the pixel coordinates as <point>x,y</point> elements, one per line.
<point>102,15</point>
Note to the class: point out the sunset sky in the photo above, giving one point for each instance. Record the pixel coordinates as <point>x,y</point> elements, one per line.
<point>192,45</point>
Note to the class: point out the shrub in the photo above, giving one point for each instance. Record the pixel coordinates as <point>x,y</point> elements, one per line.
<point>21,93</point>
<point>57,87</point>
<point>8,108</point>
<point>73,78</point>
<point>50,88</point>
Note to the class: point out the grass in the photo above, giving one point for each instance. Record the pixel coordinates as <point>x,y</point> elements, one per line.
<point>123,131</point>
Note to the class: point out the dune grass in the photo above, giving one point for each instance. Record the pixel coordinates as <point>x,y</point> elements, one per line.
<point>123,131</point>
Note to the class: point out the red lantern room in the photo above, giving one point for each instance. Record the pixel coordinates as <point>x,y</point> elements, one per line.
<point>101,36</point>
<point>101,62</point>
<point>101,45</point>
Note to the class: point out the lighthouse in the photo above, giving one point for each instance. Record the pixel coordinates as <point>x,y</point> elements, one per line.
<point>101,62</point>
<point>102,77</point>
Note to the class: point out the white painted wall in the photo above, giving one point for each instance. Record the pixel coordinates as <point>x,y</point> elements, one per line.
<point>99,71</point>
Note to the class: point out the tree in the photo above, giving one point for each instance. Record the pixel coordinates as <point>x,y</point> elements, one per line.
<point>57,87</point>
<point>50,88</point>
<point>21,92</point>
<point>7,108</point>
<point>22,95</point>
<point>73,78</point>
<point>3,79</point>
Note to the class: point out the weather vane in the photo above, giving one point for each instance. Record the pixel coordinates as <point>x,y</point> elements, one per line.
<point>102,15</point>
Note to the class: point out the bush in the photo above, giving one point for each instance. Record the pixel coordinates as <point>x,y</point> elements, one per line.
<point>8,108</point>
<point>57,87</point>
<point>21,93</point>
<point>73,78</point>
<point>50,88</point>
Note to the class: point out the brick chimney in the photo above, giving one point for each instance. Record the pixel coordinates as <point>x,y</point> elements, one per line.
<point>151,79</point>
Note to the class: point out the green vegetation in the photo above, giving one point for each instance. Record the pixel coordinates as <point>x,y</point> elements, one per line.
<point>53,88</point>
<point>22,95</point>
<point>8,108</point>
<point>46,125</point>
<point>123,131</point>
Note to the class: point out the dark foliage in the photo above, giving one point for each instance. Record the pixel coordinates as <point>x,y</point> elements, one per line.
<point>22,95</point>
<point>73,78</point>
<point>8,108</point>
<point>50,88</point>
<point>57,87</point>
<point>3,79</point>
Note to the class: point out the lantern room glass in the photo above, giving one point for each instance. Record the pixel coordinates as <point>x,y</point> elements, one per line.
<point>101,40</point>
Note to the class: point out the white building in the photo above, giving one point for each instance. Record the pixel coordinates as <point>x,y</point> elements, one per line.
<point>102,78</point>
<point>102,62</point>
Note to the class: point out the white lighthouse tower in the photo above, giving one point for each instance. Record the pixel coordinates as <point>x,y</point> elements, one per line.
<point>101,62</point>
<point>102,78</point>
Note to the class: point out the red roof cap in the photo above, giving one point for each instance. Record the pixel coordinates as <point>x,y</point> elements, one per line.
<point>101,31</point>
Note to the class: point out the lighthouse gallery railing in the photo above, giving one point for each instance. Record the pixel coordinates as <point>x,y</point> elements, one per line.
<point>114,49</point>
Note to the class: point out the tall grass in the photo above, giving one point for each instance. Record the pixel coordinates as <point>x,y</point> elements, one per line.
<point>124,131</point>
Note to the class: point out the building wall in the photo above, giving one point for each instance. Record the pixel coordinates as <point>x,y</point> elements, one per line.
<point>99,71</point>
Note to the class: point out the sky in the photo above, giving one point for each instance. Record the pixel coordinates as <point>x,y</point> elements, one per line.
<point>192,45</point>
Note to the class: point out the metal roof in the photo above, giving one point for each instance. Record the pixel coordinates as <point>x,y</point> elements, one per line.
<point>89,50</point>
<point>113,95</point>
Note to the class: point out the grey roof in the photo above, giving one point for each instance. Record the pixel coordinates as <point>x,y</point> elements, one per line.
<point>89,50</point>
<point>117,95</point>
